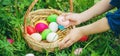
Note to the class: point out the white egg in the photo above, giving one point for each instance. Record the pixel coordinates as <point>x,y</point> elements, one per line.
<point>36,36</point>
<point>29,54</point>
<point>51,37</point>
<point>53,26</point>
<point>78,51</point>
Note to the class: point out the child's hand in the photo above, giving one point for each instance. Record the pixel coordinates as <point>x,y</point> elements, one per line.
<point>71,38</point>
<point>73,18</point>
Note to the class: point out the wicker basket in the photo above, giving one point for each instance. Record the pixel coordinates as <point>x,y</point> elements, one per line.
<point>42,14</point>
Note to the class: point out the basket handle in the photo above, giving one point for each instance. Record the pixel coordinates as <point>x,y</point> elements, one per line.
<point>30,8</point>
<point>27,12</point>
<point>71,6</point>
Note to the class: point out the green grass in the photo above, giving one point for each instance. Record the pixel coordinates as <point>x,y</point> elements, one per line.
<point>11,20</point>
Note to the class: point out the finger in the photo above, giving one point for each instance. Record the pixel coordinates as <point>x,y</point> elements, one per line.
<point>68,43</point>
<point>70,24</point>
<point>73,23</point>
<point>66,15</point>
<point>63,14</point>
<point>63,18</point>
<point>61,44</point>
<point>67,25</point>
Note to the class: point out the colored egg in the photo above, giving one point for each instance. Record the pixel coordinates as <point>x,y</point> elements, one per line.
<point>53,26</point>
<point>29,54</point>
<point>61,20</point>
<point>10,40</point>
<point>41,21</point>
<point>78,51</point>
<point>40,27</point>
<point>36,36</point>
<point>51,37</point>
<point>83,38</point>
<point>30,30</point>
<point>61,27</point>
<point>45,33</point>
<point>52,18</point>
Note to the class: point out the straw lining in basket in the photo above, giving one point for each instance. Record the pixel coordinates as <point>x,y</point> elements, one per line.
<point>42,14</point>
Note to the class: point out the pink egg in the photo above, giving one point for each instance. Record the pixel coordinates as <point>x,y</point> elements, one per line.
<point>62,21</point>
<point>40,27</point>
<point>10,40</point>
<point>78,51</point>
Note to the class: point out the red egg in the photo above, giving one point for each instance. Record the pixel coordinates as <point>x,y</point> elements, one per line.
<point>83,38</point>
<point>30,30</point>
<point>40,27</point>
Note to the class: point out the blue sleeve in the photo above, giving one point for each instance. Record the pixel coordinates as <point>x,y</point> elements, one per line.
<point>114,21</point>
<point>114,18</point>
<point>115,3</point>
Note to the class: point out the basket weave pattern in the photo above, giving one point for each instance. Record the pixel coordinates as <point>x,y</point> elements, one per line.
<point>42,14</point>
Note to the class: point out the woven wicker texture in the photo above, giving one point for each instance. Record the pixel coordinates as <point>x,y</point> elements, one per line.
<point>35,16</point>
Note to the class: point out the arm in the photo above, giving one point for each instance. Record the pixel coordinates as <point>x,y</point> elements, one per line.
<point>97,9</point>
<point>96,27</point>
<point>85,30</point>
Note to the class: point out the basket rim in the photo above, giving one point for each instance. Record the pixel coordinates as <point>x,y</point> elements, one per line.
<point>26,37</point>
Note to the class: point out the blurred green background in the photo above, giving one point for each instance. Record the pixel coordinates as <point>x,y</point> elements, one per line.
<point>11,20</point>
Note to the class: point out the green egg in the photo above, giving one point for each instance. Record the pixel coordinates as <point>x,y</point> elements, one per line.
<point>45,33</point>
<point>52,18</point>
